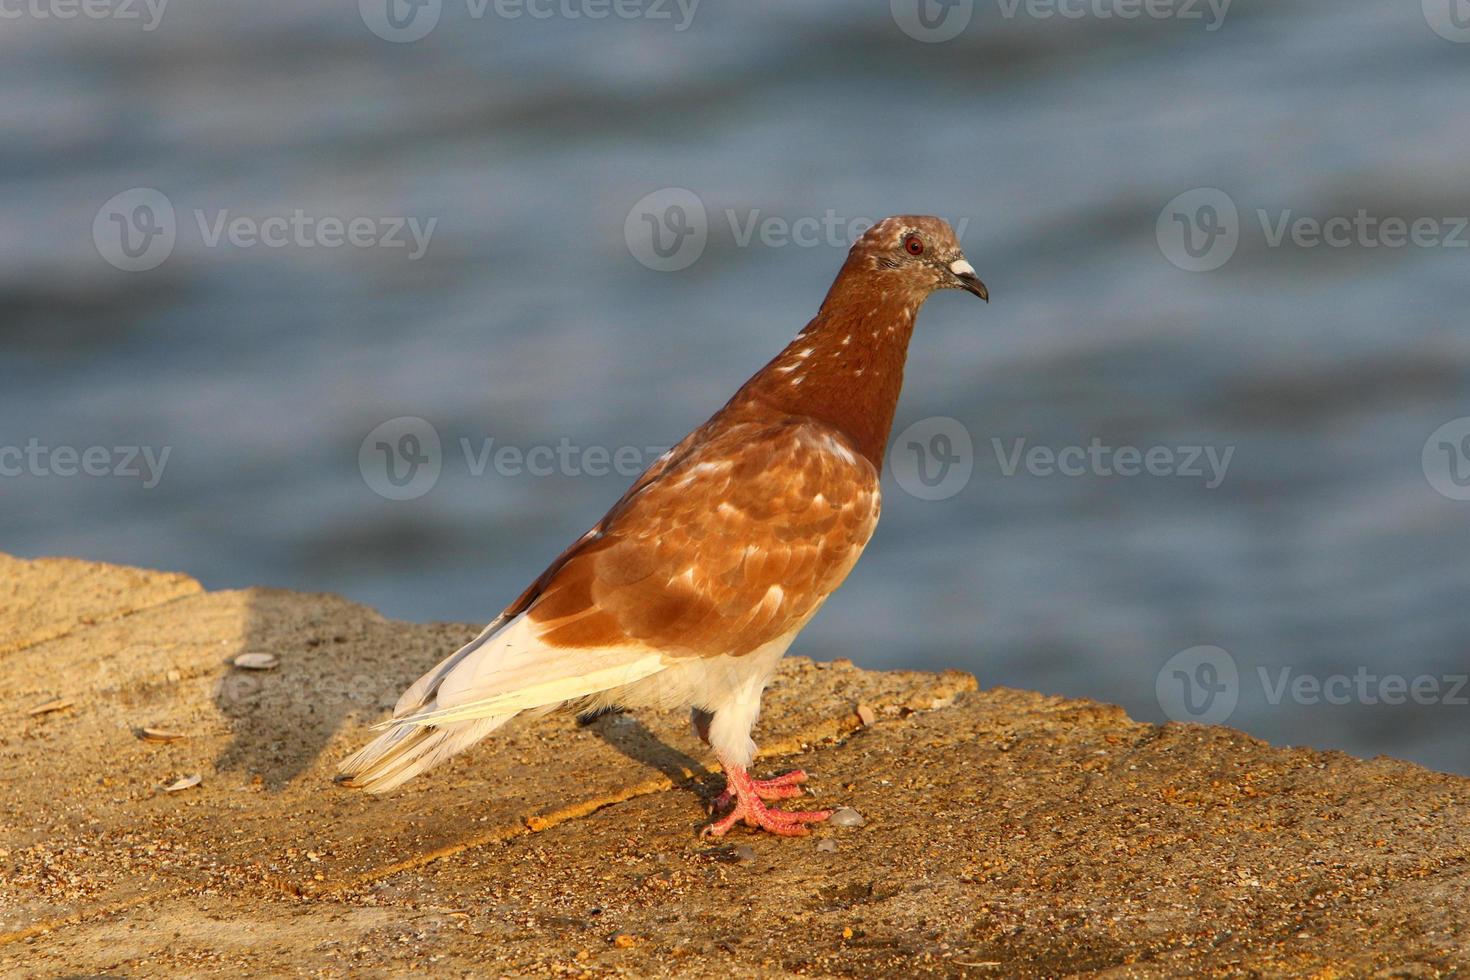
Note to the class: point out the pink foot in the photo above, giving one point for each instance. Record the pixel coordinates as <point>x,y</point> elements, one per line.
<point>782,787</point>
<point>749,796</point>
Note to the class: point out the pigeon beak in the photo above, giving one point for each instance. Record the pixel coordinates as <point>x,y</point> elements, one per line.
<point>964,273</point>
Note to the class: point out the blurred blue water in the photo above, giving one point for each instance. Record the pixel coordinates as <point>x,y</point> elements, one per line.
<point>1325,549</point>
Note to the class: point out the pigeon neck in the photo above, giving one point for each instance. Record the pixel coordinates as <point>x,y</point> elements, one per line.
<point>846,367</point>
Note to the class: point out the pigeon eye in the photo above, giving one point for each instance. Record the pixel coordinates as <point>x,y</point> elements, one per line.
<point>914,245</point>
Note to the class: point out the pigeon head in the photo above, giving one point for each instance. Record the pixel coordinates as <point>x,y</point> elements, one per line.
<point>845,368</point>
<point>918,254</point>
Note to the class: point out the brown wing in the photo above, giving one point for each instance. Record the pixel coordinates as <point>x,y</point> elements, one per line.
<point>730,542</point>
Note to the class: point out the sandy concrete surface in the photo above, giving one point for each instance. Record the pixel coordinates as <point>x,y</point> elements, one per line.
<point>1005,833</point>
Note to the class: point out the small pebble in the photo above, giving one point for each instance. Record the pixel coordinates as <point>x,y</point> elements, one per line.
<point>867,715</point>
<point>744,853</point>
<point>827,845</point>
<point>256,661</point>
<point>846,817</point>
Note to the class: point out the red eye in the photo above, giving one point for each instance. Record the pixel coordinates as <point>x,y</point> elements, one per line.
<point>914,245</point>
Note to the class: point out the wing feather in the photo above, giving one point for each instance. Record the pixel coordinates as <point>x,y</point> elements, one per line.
<point>733,545</point>
<point>519,670</point>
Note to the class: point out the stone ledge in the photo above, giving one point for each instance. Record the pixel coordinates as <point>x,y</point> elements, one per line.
<point>1007,833</point>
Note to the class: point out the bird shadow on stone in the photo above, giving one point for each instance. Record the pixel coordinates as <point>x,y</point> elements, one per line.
<point>282,718</point>
<point>332,662</point>
<point>632,738</point>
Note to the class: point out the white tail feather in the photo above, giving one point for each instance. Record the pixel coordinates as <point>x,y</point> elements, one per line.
<point>504,671</point>
<point>421,691</point>
<point>568,682</point>
<point>396,756</point>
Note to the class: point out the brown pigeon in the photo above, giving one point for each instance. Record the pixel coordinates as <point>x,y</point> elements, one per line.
<point>691,588</point>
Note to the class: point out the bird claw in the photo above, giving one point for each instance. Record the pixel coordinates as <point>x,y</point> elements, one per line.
<point>782,787</point>
<point>783,823</point>
<point>750,796</point>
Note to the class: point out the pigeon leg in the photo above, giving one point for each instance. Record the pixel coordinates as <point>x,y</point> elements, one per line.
<point>751,808</point>
<point>782,787</point>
